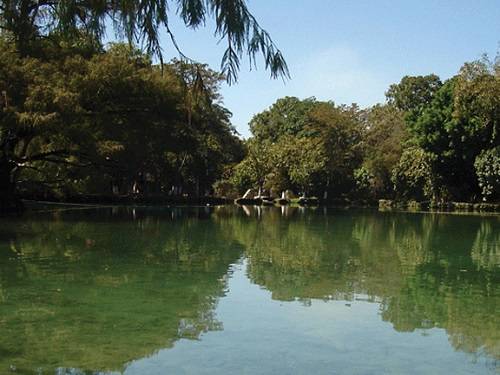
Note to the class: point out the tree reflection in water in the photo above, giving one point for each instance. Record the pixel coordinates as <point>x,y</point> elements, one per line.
<point>96,289</point>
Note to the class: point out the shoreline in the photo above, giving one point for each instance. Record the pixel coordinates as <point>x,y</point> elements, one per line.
<point>428,206</point>
<point>382,205</point>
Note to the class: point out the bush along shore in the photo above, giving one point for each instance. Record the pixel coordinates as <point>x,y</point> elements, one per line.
<point>386,204</point>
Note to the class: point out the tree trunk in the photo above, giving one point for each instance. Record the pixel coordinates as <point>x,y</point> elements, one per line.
<point>9,202</point>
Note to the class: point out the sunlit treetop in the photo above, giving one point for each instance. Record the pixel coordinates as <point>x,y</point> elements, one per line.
<point>142,23</point>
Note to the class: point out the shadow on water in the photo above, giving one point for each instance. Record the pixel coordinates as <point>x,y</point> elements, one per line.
<point>96,289</point>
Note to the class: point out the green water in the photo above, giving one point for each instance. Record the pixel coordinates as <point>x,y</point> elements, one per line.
<point>233,291</point>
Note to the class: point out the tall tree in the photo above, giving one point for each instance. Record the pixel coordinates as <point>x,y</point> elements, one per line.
<point>287,116</point>
<point>413,93</point>
<point>339,130</point>
<point>383,145</point>
<point>461,120</point>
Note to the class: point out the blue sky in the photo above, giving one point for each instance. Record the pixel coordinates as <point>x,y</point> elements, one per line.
<point>350,51</point>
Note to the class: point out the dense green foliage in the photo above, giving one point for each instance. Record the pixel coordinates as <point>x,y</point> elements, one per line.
<point>111,123</point>
<point>383,145</point>
<point>309,146</point>
<point>413,94</point>
<point>78,118</point>
<point>487,166</point>
<point>428,142</point>
<point>413,176</point>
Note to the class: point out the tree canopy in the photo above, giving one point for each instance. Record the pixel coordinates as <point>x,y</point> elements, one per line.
<point>106,123</point>
<point>431,140</point>
<point>80,118</point>
<point>309,146</point>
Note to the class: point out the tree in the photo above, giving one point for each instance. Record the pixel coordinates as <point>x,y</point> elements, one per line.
<point>287,116</point>
<point>95,125</point>
<point>339,132</point>
<point>141,22</point>
<point>297,162</point>
<point>271,151</point>
<point>307,145</point>
<point>412,94</point>
<point>383,143</point>
<point>414,177</point>
<point>460,121</point>
<point>35,125</point>
<point>253,170</point>
<point>67,104</point>
<point>477,100</point>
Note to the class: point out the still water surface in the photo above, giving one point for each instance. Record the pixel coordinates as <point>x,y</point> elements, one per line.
<point>245,291</point>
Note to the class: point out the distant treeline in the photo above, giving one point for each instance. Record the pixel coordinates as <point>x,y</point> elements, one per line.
<point>431,141</point>
<point>77,119</point>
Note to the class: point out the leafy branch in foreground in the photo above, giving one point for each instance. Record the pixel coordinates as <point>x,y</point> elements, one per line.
<point>141,23</point>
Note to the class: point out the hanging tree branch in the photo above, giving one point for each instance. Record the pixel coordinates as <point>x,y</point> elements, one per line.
<point>141,22</point>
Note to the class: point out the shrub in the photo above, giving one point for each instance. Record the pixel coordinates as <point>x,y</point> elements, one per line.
<point>413,177</point>
<point>487,166</point>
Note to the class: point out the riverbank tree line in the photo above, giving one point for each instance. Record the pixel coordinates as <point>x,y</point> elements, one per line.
<point>81,120</point>
<point>111,122</point>
<point>432,140</point>
<point>79,117</point>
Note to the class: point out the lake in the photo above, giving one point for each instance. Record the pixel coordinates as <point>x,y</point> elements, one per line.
<point>231,290</point>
